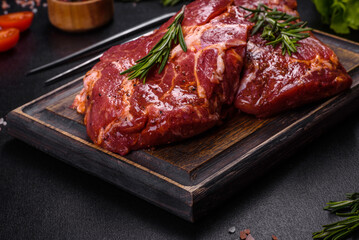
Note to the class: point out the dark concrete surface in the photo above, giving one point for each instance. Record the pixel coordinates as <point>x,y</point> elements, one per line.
<point>43,198</point>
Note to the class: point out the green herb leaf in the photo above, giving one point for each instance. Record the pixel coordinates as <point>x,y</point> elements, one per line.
<point>323,7</point>
<point>341,229</point>
<point>352,14</point>
<point>341,15</point>
<point>278,27</point>
<point>159,54</point>
<point>169,2</point>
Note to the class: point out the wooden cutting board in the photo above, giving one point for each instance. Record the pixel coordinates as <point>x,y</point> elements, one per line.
<point>190,177</point>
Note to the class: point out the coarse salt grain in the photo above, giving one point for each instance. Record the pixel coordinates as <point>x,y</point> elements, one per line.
<point>249,237</point>
<point>242,235</point>
<point>4,5</point>
<point>2,123</point>
<point>232,230</point>
<point>29,4</point>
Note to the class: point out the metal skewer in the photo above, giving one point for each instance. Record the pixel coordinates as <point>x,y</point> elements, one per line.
<point>54,78</point>
<point>63,74</point>
<point>132,30</point>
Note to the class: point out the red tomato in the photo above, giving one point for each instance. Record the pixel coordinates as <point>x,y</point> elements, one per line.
<point>8,38</point>
<point>19,20</point>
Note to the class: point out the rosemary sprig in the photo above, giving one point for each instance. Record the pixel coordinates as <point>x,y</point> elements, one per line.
<point>341,208</point>
<point>160,52</point>
<point>341,229</point>
<point>278,27</point>
<point>170,2</point>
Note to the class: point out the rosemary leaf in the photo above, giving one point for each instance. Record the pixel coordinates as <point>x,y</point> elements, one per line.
<point>159,54</point>
<point>278,27</point>
<point>342,229</point>
<point>169,2</point>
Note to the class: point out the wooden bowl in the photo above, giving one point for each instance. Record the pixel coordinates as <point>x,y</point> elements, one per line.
<point>79,16</point>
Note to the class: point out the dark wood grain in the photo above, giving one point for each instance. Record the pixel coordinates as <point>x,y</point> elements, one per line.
<point>63,108</point>
<point>190,177</point>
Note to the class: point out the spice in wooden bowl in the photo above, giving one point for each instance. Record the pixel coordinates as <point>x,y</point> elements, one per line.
<point>79,16</point>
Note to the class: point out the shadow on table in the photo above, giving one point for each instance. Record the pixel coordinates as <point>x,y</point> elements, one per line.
<point>52,199</point>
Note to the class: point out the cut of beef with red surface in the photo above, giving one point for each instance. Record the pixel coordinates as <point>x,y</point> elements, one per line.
<point>197,87</point>
<point>190,96</point>
<point>272,82</point>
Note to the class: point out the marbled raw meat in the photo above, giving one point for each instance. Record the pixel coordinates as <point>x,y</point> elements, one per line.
<point>191,95</point>
<point>272,82</point>
<point>196,88</point>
